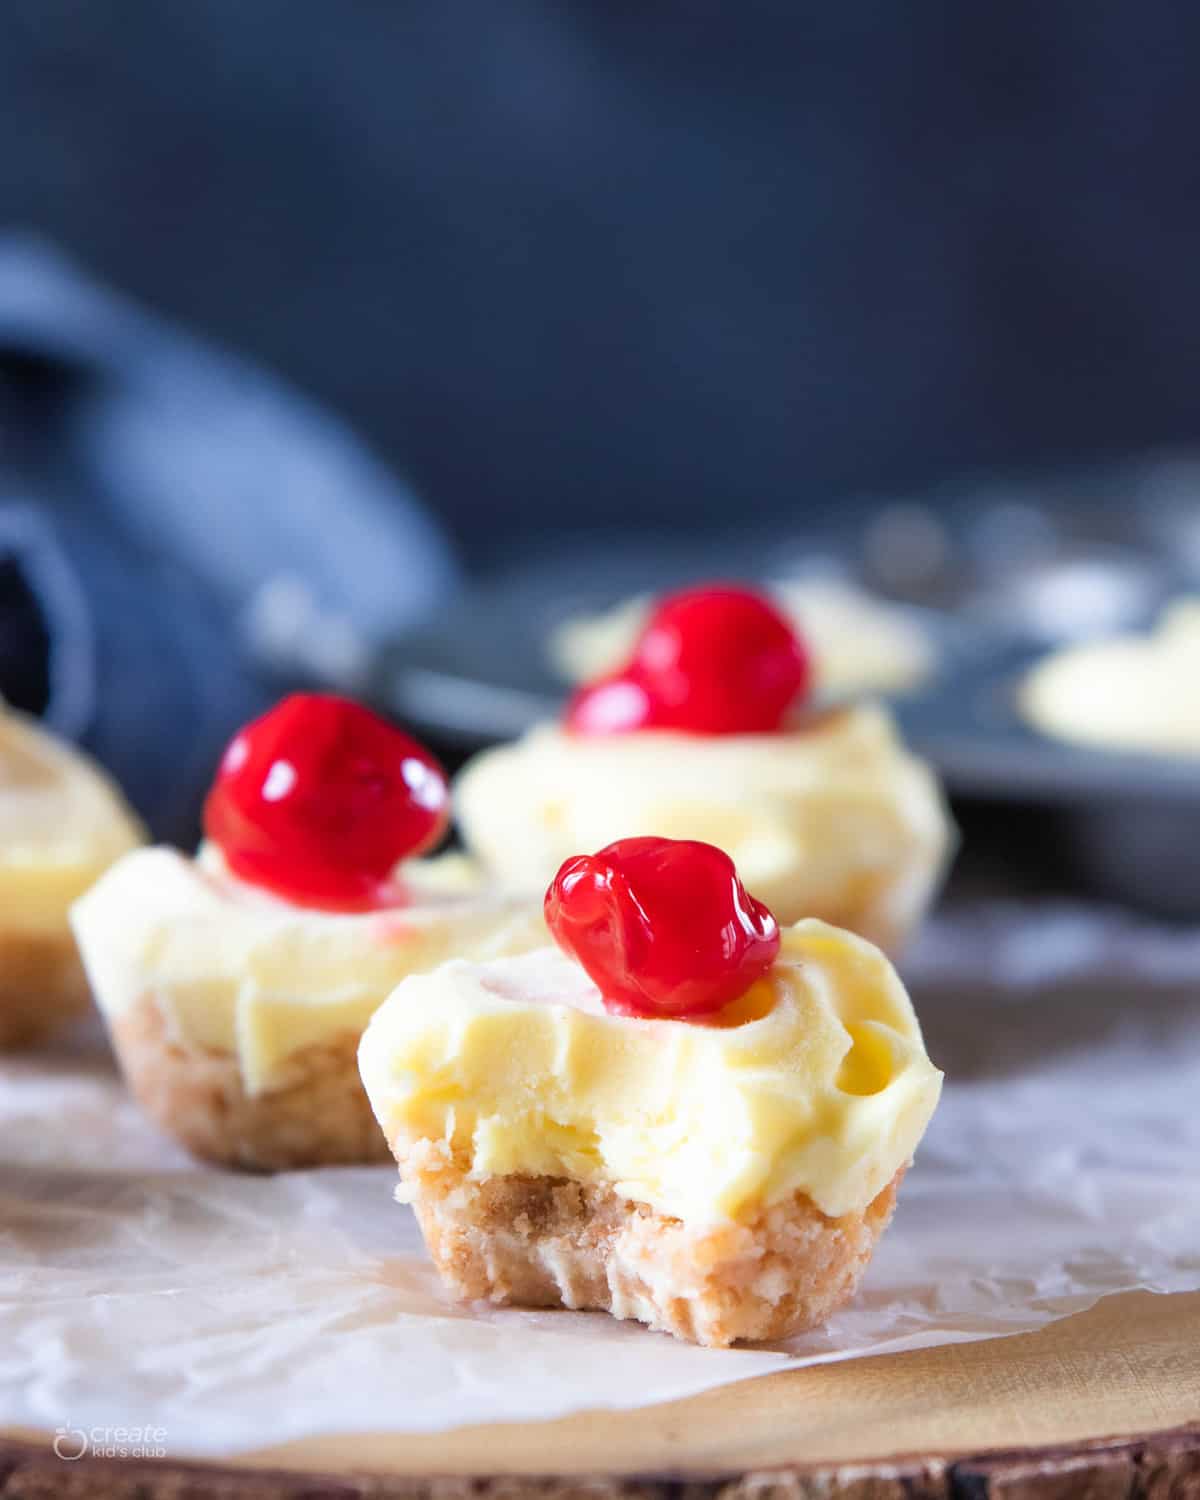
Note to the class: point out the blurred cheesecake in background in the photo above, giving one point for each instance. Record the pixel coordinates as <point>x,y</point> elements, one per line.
<point>1131,693</point>
<point>62,824</point>
<point>833,818</point>
<point>707,732</point>
<point>860,644</point>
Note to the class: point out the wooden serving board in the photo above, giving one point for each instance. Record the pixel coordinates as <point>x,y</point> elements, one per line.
<point>1104,1405</point>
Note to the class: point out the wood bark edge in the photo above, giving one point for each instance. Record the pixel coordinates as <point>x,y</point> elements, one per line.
<point>1160,1466</point>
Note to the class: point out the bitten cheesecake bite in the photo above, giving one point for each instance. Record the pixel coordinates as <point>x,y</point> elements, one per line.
<point>236,984</point>
<point>685,1116</point>
<point>706,734</point>
<point>62,823</point>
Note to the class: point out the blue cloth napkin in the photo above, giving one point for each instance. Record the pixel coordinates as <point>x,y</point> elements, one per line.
<point>180,535</point>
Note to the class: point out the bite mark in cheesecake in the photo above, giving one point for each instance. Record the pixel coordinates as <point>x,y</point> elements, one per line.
<point>721,1177</point>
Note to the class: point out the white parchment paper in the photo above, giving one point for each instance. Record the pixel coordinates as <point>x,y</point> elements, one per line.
<point>138,1290</point>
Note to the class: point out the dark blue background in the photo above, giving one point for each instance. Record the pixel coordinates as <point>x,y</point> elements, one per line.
<point>577,265</point>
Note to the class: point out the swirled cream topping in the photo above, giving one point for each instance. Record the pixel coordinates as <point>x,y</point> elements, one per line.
<point>1136,693</point>
<point>62,823</point>
<point>860,644</point>
<point>816,1081</point>
<point>236,970</point>
<point>804,813</point>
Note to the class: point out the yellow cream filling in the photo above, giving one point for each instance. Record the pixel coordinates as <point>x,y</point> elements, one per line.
<point>62,822</point>
<point>809,816</point>
<point>816,1081</point>
<point>234,970</point>
<point>1132,693</point>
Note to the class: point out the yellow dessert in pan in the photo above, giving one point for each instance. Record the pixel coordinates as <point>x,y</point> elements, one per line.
<point>1133,693</point>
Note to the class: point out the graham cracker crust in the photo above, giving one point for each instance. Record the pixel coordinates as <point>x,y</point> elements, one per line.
<point>42,987</point>
<point>316,1116</point>
<point>535,1241</point>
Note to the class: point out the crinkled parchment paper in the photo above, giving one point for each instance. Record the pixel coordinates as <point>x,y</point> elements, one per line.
<point>139,1290</point>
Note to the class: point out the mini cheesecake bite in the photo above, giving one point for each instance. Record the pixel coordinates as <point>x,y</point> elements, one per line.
<point>236,984</point>
<point>682,1114</point>
<point>62,823</point>
<point>707,732</point>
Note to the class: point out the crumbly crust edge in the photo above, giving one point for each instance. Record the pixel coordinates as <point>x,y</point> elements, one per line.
<point>315,1114</point>
<point>536,1241</point>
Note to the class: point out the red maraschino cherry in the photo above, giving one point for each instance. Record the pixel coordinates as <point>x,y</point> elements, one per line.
<point>663,927</point>
<point>718,660</point>
<point>319,799</point>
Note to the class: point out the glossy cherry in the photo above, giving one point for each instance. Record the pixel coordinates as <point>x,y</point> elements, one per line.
<point>718,660</point>
<point>319,799</point>
<point>664,927</point>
